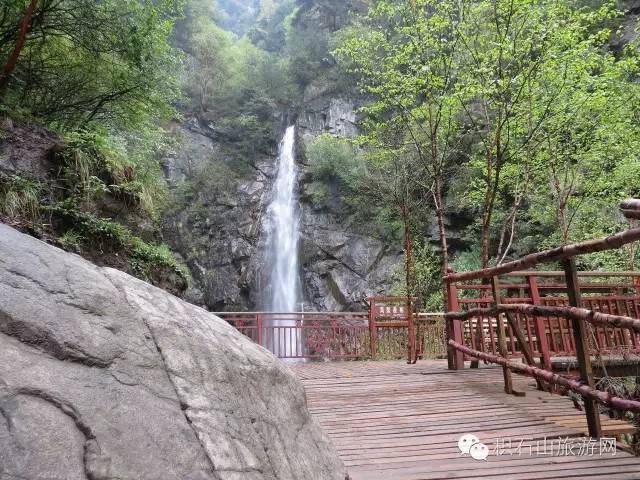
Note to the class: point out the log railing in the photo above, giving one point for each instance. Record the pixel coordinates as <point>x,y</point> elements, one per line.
<point>513,315</point>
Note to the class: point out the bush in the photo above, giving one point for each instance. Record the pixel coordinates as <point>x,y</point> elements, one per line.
<point>426,282</point>
<point>94,164</point>
<point>333,158</point>
<point>149,260</point>
<point>20,198</point>
<point>337,171</point>
<point>90,234</point>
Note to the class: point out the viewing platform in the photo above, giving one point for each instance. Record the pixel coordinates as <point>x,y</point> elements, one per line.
<point>393,421</point>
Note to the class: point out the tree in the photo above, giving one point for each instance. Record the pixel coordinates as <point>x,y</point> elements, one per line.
<point>404,54</point>
<point>504,45</point>
<point>74,62</point>
<point>522,65</point>
<point>392,178</point>
<point>12,60</point>
<point>208,46</point>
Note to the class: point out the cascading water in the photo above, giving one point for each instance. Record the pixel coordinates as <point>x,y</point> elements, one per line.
<point>282,232</point>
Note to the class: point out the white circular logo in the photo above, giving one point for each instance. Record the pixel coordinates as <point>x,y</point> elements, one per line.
<point>479,451</point>
<point>466,442</point>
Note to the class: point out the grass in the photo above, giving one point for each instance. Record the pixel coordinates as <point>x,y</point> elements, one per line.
<point>20,198</point>
<point>68,207</point>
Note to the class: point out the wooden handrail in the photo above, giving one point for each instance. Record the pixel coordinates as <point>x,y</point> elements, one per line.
<point>630,208</point>
<point>583,314</point>
<point>560,253</point>
<point>553,378</point>
<point>559,273</point>
<point>573,312</point>
<point>596,318</point>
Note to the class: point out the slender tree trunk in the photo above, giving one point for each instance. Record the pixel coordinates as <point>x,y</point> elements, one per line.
<point>484,235</point>
<point>12,61</point>
<point>562,221</point>
<point>408,265</point>
<point>442,232</point>
<point>437,192</point>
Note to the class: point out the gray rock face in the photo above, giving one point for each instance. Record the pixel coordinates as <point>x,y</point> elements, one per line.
<point>103,376</point>
<point>327,115</point>
<point>217,232</point>
<point>341,267</point>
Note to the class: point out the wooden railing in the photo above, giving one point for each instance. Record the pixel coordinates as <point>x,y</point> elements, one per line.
<point>381,333</point>
<point>549,334</point>
<point>508,313</point>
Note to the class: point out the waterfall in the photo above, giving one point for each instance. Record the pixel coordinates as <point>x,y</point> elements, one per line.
<point>282,231</point>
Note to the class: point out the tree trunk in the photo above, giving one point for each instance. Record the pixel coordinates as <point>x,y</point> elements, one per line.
<point>486,221</point>
<point>442,232</point>
<point>408,263</point>
<point>12,61</point>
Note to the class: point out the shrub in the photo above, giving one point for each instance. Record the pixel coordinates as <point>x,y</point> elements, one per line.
<point>20,198</point>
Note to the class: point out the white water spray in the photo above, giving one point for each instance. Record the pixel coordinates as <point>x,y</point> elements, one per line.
<point>283,230</point>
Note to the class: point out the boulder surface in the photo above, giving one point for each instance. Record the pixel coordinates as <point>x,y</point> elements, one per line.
<point>103,376</point>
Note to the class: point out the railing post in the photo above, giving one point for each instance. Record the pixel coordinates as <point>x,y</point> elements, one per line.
<point>541,331</point>
<point>373,329</point>
<point>502,340</point>
<point>259,327</point>
<point>455,358</point>
<point>582,347</point>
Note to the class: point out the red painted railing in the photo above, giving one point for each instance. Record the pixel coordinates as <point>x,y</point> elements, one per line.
<point>546,318</point>
<point>616,293</point>
<point>380,333</point>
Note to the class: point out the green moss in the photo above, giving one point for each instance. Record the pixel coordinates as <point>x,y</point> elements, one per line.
<point>147,259</point>
<point>94,164</point>
<point>71,241</point>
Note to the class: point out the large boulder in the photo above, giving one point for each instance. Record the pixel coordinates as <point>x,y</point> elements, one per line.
<point>103,376</point>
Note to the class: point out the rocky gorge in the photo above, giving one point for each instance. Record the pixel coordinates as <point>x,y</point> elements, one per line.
<point>221,239</point>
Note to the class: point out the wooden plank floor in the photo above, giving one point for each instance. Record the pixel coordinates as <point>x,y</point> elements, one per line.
<point>392,421</point>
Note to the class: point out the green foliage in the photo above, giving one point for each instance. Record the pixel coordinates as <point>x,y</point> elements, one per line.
<point>149,260</point>
<point>208,74</point>
<point>91,234</point>
<point>308,32</point>
<point>270,32</point>
<point>94,164</point>
<point>103,75</point>
<point>514,114</point>
<point>336,160</point>
<point>235,87</point>
<point>67,209</point>
<point>85,62</point>
<point>426,278</point>
<point>71,241</point>
<point>20,198</point>
<point>353,184</point>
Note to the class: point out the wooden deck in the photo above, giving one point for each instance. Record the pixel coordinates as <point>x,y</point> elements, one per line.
<point>392,421</point>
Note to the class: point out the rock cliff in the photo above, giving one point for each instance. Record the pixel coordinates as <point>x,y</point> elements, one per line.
<point>218,233</point>
<point>103,376</point>
<point>341,267</point>
<point>216,228</point>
